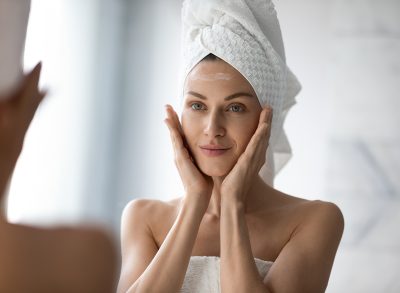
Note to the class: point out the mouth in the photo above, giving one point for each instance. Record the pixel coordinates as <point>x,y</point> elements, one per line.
<point>213,150</point>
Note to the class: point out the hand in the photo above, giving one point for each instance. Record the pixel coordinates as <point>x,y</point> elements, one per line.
<point>16,114</point>
<point>194,181</point>
<point>237,183</point>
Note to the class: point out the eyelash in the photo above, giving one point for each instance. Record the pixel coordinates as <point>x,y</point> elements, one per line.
<point>193,104</point>
<point>237,105</point>
<point>242,108</point>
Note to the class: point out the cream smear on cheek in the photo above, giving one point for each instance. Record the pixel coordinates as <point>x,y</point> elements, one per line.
<point>211,76</point>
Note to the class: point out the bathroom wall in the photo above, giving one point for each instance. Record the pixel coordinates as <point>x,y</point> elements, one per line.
<point>345,131</point>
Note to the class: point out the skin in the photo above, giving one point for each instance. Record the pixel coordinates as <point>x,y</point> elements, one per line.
<point>45,260</point>
<point>227,210</point>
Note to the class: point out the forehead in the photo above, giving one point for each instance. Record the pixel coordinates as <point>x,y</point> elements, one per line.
<point>216,75</point>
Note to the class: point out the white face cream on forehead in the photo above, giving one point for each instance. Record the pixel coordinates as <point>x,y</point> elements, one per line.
<point>211,76</point>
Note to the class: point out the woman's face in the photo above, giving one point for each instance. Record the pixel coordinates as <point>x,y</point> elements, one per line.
<point>220,115</point>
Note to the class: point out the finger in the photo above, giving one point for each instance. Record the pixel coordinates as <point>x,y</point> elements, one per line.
<point>30,95</point>
<point>270,115</point>
<point>264,125</point>
<point>180,150</point>
<point>178,125</point>
<point>183,160</point>
<point>174,134</point>
<point>34,76</point>
<point>40,99</point>
<point>259,138</point>
<point>267,118</point>
<point>254,155</point>
<point>175,117</point>
<point>172,117</point>
<point>257,145</point>
<point>261,131</point>
<point>263,116</point>
<point>36,73</point>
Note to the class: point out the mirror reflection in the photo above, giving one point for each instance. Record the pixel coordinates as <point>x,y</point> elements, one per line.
<point>198,146</point>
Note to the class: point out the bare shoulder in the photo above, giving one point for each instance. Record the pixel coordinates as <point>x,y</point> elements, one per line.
<point>304,216</point>
<point>145,214</point>
<point>148,209</point>
<point>318,225</point>
<point>314,237</point>
<point>323,214</point>
<point>312,212</point>
<point>146,204</point>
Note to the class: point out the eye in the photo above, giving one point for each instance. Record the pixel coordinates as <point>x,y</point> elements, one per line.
<point>197,106</point>
<point>236,108</point>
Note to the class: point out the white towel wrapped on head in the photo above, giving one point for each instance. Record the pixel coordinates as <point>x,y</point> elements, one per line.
<point>246,34</point>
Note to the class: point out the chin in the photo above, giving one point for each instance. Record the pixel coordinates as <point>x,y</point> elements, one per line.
<point>215,171</point>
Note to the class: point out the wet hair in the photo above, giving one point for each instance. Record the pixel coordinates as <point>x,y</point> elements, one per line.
<point>211,57</point>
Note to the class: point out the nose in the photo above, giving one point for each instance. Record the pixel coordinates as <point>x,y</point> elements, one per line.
<point>214,125</point>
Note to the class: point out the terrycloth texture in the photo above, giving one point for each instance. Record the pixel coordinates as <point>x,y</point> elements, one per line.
<point>202,274</point>
<point>13,25</point>
<point>246,34</point>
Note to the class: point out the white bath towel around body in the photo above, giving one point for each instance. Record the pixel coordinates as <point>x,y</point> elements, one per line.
<point>202,275</point>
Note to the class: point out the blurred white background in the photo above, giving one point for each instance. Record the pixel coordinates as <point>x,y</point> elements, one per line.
<point>99,141</point>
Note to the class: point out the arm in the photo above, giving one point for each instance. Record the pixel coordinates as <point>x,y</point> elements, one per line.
<point>145,268</point>
<point>238,269</point>
<point>310,252</point>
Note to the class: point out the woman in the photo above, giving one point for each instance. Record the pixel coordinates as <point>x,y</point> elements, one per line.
<point>231,231</point>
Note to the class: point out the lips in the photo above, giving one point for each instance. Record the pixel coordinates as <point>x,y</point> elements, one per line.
<point>213,150</point>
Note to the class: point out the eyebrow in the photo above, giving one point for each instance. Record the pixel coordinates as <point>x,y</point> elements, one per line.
<point>233,96</point>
